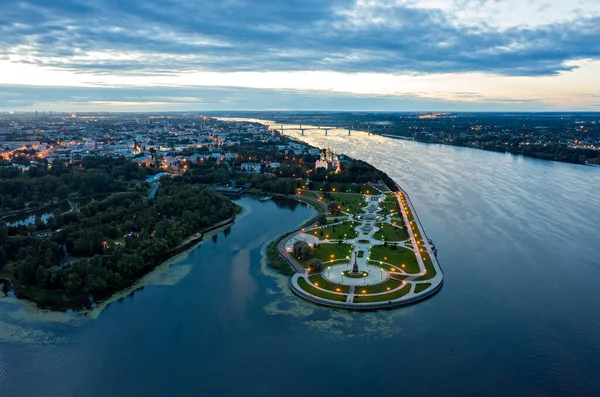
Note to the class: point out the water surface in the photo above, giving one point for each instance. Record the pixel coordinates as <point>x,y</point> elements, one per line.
<point>518,313</point>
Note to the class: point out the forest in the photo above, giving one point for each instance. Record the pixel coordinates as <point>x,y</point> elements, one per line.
<point>106,245</point>
<point>43,184</point>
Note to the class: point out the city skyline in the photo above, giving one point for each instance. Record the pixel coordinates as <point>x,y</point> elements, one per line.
<point>175,55</point>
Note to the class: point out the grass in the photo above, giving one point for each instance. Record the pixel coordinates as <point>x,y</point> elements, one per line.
<point>317,292</point>
<point>324,252</point>
<point>428,267</point>
<point>328,285</point>
<point>276,261</point>
<point>351,203</point>
<point>344,187</point>
<point>389,269</point>
<point>383,298</point>
<point>360,254</point>
<point>389,232</point>
<point>336,219</point>
<point>421,287</point>
<point>364,241</point>
<point>338,232</point>
<point>397,257</point>
<point>390,205</point>
<point>375,289</point>
<point>309,193</point>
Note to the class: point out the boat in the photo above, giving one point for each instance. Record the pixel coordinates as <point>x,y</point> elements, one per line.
<point>265,198</point>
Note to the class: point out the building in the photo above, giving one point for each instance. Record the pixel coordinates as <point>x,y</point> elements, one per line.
<point>321,163</point>
<point>253,168</point>
<point>327,160</point>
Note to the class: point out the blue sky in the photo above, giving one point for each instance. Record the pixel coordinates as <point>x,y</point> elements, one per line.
<point>134,55</point>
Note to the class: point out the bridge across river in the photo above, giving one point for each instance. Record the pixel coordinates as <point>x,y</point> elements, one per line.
<point>315,129</point>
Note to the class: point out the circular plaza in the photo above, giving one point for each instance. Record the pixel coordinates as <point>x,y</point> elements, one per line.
<point>369,254</point>
<point>341,274</point>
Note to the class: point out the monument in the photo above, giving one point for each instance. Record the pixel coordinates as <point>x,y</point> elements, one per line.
<point>355,271</point>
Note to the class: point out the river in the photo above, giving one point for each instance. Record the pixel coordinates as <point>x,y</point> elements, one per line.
<point>518,314</point>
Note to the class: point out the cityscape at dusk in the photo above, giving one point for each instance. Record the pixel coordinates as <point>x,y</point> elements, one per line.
<point>299,198</point>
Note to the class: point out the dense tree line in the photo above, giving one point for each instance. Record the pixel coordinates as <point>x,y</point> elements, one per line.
<point>112,242</point>
<point>41,184</point>
<point>213,174</point>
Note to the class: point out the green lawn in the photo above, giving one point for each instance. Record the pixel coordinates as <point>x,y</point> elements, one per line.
<point>383,298</point>
<point>401,257</point>
<point>317,292</point>
<point>324,252</point>
<point>309,193</point>
<point>428,267</point>
<point>336,219</point>
<point>421,287</point>
<point>360,254</point>
<point>344,187</point>
<point>276,261</point>
<point>390,233</point>
<point>375,289</point>
<point>351,203</point>
<point>385,267</point>
<point>338,232</point>
<point>390,205</point>
<point>317,279</point>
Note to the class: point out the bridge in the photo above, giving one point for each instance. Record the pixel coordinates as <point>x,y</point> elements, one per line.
<point>304,129</point>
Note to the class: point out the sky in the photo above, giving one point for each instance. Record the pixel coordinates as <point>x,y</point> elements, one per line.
<point>389,55</point>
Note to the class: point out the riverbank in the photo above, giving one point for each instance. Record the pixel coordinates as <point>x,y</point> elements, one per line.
<point>279,262</point>
<point>59,300</point>
<point>504,149</point>
<point>400,286</point>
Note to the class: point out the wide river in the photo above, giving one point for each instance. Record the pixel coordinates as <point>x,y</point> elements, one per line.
<point>519,313</point>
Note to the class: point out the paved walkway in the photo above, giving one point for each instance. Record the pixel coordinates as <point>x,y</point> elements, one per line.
<point>364,242</point>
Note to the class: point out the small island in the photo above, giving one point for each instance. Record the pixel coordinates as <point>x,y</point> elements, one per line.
<point>365,251</point>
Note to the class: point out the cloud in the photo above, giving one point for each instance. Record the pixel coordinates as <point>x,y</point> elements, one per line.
<point>198,99</point>
<point>140,37</point>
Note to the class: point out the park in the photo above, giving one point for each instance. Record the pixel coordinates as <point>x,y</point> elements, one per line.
<point>367,250</point>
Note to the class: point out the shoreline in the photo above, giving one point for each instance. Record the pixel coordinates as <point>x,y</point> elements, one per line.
<point>146,279</point>
<point>436,281</point>
<point>529,156</point>
<point>77,304</point>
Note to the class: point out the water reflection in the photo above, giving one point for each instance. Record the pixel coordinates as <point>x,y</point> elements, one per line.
<point>287,204</point>
<point>242,285</point>
<point>518,314</point>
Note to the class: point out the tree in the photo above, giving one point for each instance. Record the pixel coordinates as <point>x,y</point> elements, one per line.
<point>40,276</point>
<point>315,265</point>
<point>27,271</point>
<point>334,207</point>
<point>322,219</point>
<point>3,258</point>
<point>73,284</point>
<point>302,250</point>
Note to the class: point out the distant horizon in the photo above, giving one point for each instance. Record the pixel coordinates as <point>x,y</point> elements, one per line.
<point>24,112</point>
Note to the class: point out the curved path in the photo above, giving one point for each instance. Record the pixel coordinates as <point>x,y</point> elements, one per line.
<point>364,242</point>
